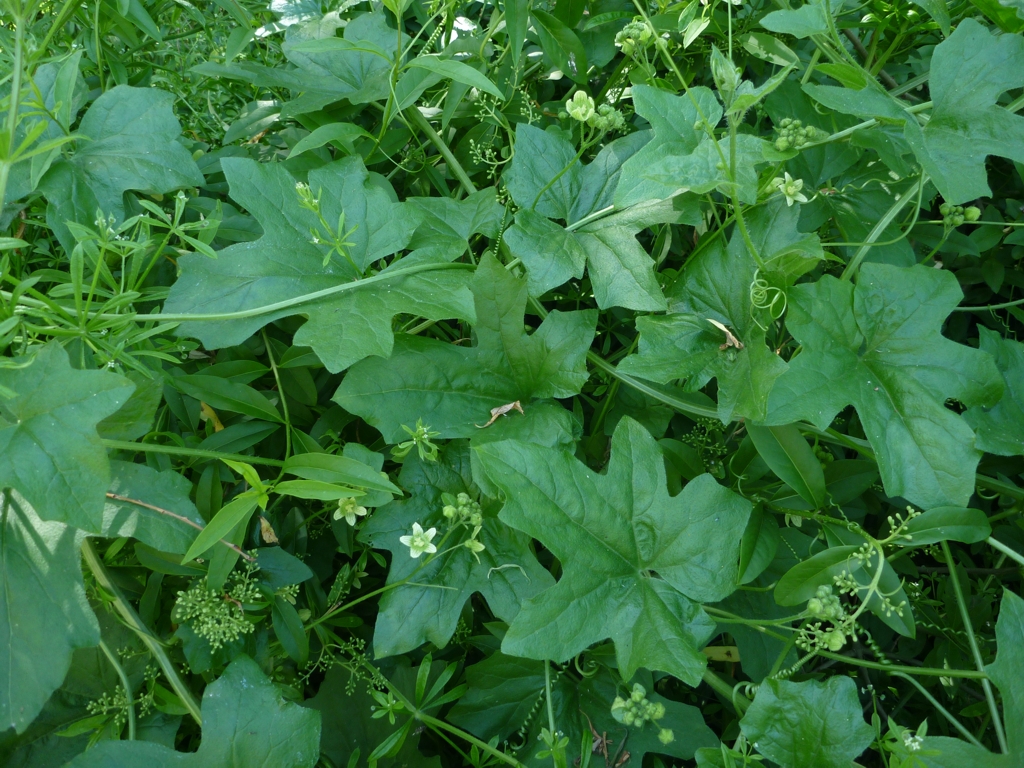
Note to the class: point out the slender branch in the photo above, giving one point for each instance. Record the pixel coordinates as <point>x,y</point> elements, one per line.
<point>416,117</point>
<point>945,713</point>
<point>986,684</point>
<point>183,519</point>
<point>132,619</point>
<point>125,683</point>
<point>180,450</point>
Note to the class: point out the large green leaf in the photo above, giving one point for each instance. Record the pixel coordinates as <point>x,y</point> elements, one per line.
<point>878,346</point>
<point>49,450</point>
<point>453,388</point>
<point>128,140</point>
<point>246,724</point>
<point>546,180</point>
<point>611,532</point>
<point>427,608</point>
<point>285,265</point>
<point>716,285</point>
<point>44,614</point>
<point>1000,429</point>
<point>969,71</point>
<point>808,724</point>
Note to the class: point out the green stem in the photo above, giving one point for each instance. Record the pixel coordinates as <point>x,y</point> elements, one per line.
<point>945,713</point>
<point>125,683</point>
<point>174,450</point>
<point>876,232</point>
<point>1012,554</point>
<point>416,117</point>
<point>300,300</point>
<point>739,701</point>
<point>975,651</point>
<point>131,618</point>
<point>284,400</point>
<point>12,110</point>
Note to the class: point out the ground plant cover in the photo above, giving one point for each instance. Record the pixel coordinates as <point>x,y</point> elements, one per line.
<point>446,383</point>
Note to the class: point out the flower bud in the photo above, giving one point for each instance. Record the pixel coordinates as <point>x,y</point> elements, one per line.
<point>972,213</point>
<point>580,107</point>
<point>835,640</point>
<point>665,736</point>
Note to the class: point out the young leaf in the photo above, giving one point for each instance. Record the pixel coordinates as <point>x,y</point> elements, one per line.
<point>230,515</point>
<point>49,450</point>
<point>427,609</point>
<point>284,266</point>
<point>455,387</point>
<point>44,613</point>
<point>246,724</point>
<point>803,579</point>
<point>786,451</point>
<point>609,532</point>
<point>457,71</point>
<point>878,346</point>
<point>808,724</point>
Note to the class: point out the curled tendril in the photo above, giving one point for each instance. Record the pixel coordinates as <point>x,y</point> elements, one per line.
<point>766,297</point>
<point>587,669</point>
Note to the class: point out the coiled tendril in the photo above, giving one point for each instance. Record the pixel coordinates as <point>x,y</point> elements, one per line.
<point>766,297</point>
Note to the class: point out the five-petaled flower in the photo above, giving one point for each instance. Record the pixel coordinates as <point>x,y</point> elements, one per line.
<point>348,509</point>
<point>419,541</point>
<point>790,189</point>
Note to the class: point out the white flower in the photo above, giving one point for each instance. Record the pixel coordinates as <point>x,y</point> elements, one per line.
<point>790,189</point>
<point>419,541</point>
<point>580,106</point>
<point>348,509</point>
<point>911,742</point>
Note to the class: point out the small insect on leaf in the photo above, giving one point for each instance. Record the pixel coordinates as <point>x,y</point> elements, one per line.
<point>730,339</point>
<point>501,410</point>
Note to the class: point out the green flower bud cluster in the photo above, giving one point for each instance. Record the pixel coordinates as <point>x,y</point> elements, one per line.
<point>635,35</point>
<point>461,509</point>
<point>823,455</point>
<point>217,616</point>
<point>793,134</point>
<point>604,117</point>
<point>955,215</point>
<point>825,605</point>
<point>637,711</point>
<point>289,593</point>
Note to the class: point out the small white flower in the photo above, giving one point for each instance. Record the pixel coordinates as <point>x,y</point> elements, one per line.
<point>580,107</point>
<point>790,189</point>
<point>348,509</point>
<point>911,742</point>
<point>419,541</point>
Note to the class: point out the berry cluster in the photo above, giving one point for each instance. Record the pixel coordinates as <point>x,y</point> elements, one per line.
<point>955,215</point>
<point>793,134</point>
<point>461,509</point>
<point>637,711</point>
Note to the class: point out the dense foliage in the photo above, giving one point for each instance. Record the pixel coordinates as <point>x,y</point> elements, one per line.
<point>530,383</point>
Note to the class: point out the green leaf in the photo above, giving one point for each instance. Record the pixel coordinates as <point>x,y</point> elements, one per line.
<point>44,613</point>
<point>230,515</point>
<point>283,265</point>
<point>1000,429</point>
<point>609,532</point>
<point>809,724</point>
<point>427,609</point>
<point>289,630</point>
<point>807,20</point>
<point>621,272</point>
<point>715,285</point>
<point>129,140</point>
<point>316,489</point>
<point>878,346</point>
<point>803,579</point>
<point>947,524</point>
<point>167,490</point>
<point>457,71</point>
<point>561,45</point>
<point>334,133</point>
<point>791,458</point>
<point>246,724</point>
<point>49,450</point>
<point>330,468</point>
<point>224,394</point>
<point>454,388</point>
<point>969,71</point>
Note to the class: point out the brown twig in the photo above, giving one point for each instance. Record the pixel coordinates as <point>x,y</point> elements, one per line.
<point>182,518</point>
